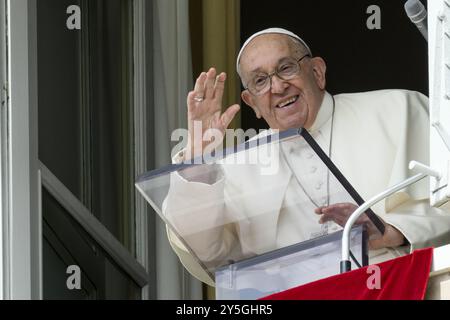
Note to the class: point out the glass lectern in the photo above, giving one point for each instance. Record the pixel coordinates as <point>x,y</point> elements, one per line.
<point>248,217</point>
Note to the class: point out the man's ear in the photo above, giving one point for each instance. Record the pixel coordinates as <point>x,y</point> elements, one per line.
<point>249,100</point>
<point>319,68</point>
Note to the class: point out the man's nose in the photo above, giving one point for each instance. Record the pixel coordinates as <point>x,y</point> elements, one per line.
<point>278,85</point>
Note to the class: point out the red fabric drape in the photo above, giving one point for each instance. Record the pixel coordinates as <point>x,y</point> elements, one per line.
<point>403,278</point>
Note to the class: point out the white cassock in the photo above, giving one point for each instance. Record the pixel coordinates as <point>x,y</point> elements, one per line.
<point>374,136</point>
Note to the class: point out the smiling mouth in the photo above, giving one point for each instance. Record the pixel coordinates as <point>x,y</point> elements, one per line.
<point>287,103</point>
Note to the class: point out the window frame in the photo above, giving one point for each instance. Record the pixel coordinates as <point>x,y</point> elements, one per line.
<point>21,274</point>
<point>22,175</point>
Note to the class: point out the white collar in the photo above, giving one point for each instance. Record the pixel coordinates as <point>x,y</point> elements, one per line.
<point>324,114</point>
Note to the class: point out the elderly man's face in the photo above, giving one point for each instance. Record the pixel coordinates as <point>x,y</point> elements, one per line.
<point>306,90</point>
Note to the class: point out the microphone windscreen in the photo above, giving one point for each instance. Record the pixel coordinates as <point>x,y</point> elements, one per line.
<point>415,10</point>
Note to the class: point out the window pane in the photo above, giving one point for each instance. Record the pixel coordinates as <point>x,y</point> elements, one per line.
<point>85,113</point>
<point>59,94</point>
<point>65,243</point>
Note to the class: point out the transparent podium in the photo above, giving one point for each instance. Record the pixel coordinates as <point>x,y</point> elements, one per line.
<point>248,218</point>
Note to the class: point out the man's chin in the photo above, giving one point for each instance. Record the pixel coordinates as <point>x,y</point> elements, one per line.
<point>293,121</point>
<point>292,125</point>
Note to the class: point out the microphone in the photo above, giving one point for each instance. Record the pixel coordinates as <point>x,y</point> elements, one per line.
<point>418,15</point>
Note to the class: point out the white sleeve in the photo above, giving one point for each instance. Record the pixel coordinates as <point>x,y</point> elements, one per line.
<point>422,225</point>
<point>196,211</point>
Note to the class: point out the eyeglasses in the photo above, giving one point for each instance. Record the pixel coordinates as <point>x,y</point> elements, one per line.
<point>287,70</point>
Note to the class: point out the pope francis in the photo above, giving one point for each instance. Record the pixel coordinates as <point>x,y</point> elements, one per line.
<point>370,137</point>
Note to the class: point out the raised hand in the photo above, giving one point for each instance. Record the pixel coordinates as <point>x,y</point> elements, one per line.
<point>205,112</point>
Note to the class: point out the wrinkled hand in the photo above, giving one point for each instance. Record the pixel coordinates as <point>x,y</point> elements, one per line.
<point>205,111</point>
<point>341,212</point>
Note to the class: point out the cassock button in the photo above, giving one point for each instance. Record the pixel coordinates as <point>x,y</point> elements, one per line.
<point>319,185</point>
<point>313,169</point>
<point>309,155</point>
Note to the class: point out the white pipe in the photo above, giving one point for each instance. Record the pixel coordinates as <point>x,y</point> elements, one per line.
<point>366,205</point>
<point>419,167</point>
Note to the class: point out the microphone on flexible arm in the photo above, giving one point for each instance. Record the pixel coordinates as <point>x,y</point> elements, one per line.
<point>418,14</point>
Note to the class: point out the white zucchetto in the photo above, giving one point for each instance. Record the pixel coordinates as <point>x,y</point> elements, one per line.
<point>267,31</point>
